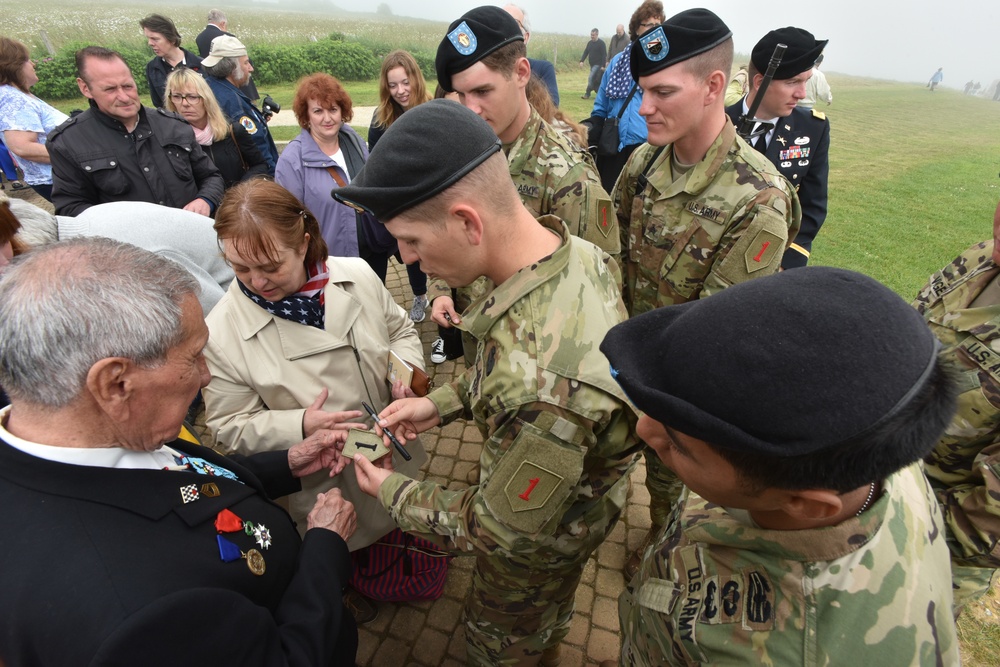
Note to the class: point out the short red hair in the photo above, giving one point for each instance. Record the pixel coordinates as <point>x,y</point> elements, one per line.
<point>326,90</point>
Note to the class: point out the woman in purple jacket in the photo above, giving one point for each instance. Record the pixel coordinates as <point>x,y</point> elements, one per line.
<point>326,155</point>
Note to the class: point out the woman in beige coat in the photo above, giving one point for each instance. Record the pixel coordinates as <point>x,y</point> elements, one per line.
<point>278,377</point>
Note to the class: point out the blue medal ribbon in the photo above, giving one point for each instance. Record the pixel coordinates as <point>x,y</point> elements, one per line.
<point>228,551</point>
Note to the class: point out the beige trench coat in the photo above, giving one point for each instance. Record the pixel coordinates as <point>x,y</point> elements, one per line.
<point>266,371</point>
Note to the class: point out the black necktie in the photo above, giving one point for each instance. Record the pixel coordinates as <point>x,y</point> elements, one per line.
<point>760,141</point>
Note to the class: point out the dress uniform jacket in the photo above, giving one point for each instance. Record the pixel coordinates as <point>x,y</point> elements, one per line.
<point>96,160</point>
<point>964,467</point>
<point>873,590</point>
<point>110,566</point>
<point>800,148</point>
<point>558,445</point>
<point>267,370</point>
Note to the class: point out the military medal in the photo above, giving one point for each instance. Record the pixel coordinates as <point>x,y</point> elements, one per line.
<point>255,561</point>
<point>262,535</point>
<point>229,552</point>
<point>227,522</point>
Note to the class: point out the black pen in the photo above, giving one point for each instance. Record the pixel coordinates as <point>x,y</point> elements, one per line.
<point>395,443</point>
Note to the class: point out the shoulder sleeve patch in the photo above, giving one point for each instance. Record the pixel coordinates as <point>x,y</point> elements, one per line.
<point>818,114</point>
<point>532,481</point>
<point>605,216</point>
<point>761,250</point>
<point>248,124</point>
<point>758,250</point>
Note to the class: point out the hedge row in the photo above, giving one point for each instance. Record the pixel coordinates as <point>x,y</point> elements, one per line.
<point>349,61</point>
<point>57,75</point>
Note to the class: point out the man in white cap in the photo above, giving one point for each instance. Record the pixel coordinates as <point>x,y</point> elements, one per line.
<point>227,69</point>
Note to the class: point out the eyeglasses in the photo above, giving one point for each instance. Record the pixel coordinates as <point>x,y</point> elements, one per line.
<point>190,99</point>
<point>649,24</point>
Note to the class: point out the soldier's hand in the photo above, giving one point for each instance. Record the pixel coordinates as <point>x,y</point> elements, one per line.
<point>443,312</point>
<point>372,475</point>
<point>407,417</point>
<point>332,512</point>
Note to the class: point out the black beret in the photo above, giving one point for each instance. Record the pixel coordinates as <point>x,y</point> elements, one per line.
<point>801,54</point>
<point>680,37</point>
<point>430,148</point>
<point>479,32</point>
<point>791,364</point>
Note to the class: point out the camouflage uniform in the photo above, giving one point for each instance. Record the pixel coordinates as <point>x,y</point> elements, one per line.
<point>558,448</point>
<point>728,220</point>
<point>719,590</point>
<point>553,177</point>
<point>964,467</point>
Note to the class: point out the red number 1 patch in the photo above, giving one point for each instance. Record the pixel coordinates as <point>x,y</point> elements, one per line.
<point>532,483</point>
<point>763,249</point>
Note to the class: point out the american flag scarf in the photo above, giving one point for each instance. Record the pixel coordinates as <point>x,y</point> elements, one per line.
<point>305,306</point>
<point>620,80</point>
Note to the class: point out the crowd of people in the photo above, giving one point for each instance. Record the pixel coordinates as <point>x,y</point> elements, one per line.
<point>805,504</point>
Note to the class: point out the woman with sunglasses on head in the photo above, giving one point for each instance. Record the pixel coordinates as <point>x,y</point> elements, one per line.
<point>228,144</point>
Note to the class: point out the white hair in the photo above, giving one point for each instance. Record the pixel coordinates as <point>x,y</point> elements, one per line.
<point>526,22</point>
<point>66,306</point>
<point>216,16</point>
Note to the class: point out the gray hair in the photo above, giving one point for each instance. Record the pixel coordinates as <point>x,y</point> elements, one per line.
<point>216,16</point>
<point>526,22</point>
<point>66,306</point>
<point>225,67</point>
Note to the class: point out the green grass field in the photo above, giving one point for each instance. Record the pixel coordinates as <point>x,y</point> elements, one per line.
<point>913,174</point>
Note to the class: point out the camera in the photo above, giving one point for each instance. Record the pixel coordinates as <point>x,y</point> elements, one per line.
<point>269,107</point>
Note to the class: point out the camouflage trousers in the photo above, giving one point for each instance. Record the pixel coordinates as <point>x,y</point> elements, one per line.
<point>664,489</point>
<point>521,605</point>
<point>968,584</point>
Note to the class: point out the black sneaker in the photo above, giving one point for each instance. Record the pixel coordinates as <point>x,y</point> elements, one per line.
<point>437,351</point>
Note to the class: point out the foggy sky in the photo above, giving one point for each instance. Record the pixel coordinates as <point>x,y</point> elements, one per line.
<point>905,41</point>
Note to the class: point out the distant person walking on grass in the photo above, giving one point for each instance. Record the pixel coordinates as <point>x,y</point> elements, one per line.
<point>596,52</point>
<point>936,78</point>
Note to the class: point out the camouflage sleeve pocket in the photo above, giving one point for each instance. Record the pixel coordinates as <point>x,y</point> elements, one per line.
<point>759,250</point>
<point>659,595</point>
<point>531,483</point>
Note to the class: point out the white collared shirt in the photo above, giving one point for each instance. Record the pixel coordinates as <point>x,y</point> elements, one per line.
<point>98,457</point>
<point>756,126</point>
